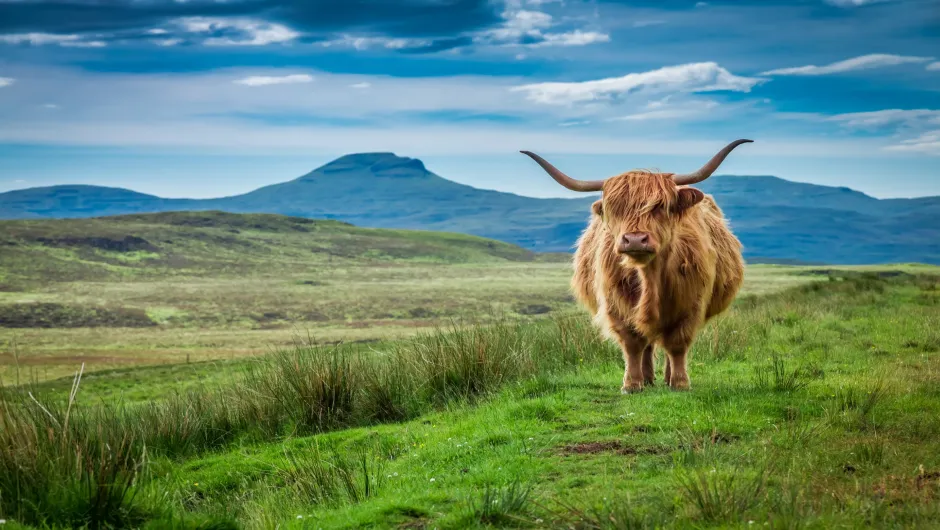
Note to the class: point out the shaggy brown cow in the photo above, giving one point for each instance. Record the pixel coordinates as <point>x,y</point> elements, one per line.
<point>655,263</point>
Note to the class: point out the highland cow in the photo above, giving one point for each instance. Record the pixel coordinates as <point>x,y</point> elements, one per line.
<point>655,263</point>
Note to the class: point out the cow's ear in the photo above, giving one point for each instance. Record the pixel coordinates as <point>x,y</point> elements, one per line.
<point>598,208</point>
<point>688,197</point>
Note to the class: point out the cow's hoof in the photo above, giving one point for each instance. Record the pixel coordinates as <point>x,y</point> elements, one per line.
<point>679,384</point>
<point>631,388</point>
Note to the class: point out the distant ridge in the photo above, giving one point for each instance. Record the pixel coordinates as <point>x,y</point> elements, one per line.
<point>776,219</point>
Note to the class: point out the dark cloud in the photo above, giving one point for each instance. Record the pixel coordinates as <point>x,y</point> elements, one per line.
<point>394,18</point>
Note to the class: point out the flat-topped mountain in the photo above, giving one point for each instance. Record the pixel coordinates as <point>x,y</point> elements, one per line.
<point>775,219</point>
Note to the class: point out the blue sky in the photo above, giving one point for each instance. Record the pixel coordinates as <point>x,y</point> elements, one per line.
<point>205,98</point>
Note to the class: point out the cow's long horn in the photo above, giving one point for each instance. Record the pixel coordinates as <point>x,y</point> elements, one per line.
<point>709,168</point>
<point>565,180</point>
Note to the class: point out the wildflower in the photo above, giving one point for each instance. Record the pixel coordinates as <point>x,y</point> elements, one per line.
<point>395,474</point>
<point>432,480</point>
<point>3,521</point>
<point>300,516</point>
<point>195,483</point>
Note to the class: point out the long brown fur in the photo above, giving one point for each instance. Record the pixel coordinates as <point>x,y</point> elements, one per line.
<point>695,274</point>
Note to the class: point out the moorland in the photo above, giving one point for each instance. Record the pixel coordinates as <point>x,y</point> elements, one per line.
<point>213,370</point>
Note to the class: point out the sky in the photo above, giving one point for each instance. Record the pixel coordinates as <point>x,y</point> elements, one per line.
<point>210,98</point>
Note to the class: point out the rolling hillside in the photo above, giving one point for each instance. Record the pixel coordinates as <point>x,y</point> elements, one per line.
<point>220,244</point>
<point>775,219</point>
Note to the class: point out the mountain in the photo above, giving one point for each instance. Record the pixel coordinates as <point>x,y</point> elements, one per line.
<point>776,219</point>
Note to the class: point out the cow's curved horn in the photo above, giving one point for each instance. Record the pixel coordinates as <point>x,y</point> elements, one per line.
<point>565,180</point>
<point>709,168</point>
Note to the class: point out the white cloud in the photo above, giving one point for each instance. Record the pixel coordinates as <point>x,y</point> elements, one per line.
<point>917,129</point>
<point>888,118</point>
<point>662,110</point>
<point>38,39</point>
<point>361,86</point>
<point>252,32</point>
<point>531,28</point>
<point>864,62</point>
<point>571,38</point>
<point>84,44</point>
<point>853,3</point>
<point>205,110</point>
<point>167,42</point>
<point>686,78</point>
<point>934,66</point>
<point>365,43</point>
<point>264,80</point>
<point>647,23</point>
<point>927,143</point>
<point>51,106</point>
<point>701,4</point>
<point>6,81</point>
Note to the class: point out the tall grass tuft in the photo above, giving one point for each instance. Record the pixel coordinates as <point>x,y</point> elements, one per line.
<point>64,466</point>
<point>507,506</point>
<point>777,377</point>
<point>332,478</point>
<point>720,497</point>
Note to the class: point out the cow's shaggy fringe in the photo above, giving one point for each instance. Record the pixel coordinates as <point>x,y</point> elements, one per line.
<point>71,464</point>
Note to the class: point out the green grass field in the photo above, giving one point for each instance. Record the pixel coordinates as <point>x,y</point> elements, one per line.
<point>814,400</point>
<point>815,407</point>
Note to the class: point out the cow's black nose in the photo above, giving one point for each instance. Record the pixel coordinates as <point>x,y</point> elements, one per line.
<point>636,240</point>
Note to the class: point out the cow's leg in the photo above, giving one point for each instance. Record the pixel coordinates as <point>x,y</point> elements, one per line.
<point>633,345</point>
<point>668,371</point>
<point>649,369</point>
<point>676,343</point>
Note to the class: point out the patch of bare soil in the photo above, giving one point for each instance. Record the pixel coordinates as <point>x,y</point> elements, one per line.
<point>613,446</point>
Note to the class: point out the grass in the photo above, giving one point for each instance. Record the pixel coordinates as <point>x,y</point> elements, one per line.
<point>186,288</point>
<point>521,425</point>
<point>214,286</point>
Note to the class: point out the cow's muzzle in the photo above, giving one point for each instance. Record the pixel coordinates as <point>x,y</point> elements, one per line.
<point>637,245</point>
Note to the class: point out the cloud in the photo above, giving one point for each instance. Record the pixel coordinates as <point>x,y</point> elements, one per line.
<point>271,20</point>
<point>415,26</point>
<point>40,39</point>
<point>365,43</point>
<point>887,118</point>
<point>934,66</point>
<point>244,32</point>
<point>663,110</point>
<point>51,106</point>
<point>918,129</point>
<point>264,80</point>
<point>360,86</point>
<point>647,23</point>
<point>927,143</point>
<point>531,28</point>
<point>686,78</point>
<point>701,4</point>
<point>864,62</point>
<point>6,81</point>
<point>853,3</point>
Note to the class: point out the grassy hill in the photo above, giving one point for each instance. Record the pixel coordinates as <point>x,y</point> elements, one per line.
<point>220,243</point>
<point>191,286</point>
<point>775,219</point>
